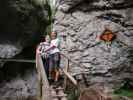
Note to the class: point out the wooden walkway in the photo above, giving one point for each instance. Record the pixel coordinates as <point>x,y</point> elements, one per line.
<point>57,93</point>
<point>47,92</point>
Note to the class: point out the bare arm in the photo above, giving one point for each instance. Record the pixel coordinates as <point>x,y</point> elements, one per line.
<point>38,49</point>
<point>51,47</point>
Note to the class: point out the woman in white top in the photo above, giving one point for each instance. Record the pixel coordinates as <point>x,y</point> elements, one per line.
<point>45,55</point>
<point>54,57</point>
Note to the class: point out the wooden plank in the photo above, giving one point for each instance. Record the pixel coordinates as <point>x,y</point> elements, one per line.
<point>63,98</point>
<point>66,69</point>
<point>71,78</point>
<point>18,60</point>
<point>55,98</point>
<point>39,80</point>
<point>45,89</point>
<point>64,95</point>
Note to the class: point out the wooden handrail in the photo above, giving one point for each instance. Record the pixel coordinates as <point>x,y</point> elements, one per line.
<point>67,74</point>
<point>65,77</point>
<point>18,60</point>
<point>43,77</point>
<point>33,61</point>
<point>70,77</point>
<point>43,81</point>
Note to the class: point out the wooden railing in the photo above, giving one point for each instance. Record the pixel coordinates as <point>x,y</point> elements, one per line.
<point>66,71</point>
<point>43,88</point>
<point>17,60</point>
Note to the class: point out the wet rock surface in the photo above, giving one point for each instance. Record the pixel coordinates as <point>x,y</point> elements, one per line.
<point>20,88</point>
<point>97,92</point>
<point>22,23</point>
<point>80,23</point>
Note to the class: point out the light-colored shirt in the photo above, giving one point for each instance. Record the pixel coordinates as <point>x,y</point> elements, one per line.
<point>56,44</point>
<point>44,46</point>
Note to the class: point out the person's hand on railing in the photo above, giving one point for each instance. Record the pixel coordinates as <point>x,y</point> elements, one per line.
<point>38,51</point>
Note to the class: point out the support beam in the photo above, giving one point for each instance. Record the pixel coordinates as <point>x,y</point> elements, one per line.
<point>71,78</point>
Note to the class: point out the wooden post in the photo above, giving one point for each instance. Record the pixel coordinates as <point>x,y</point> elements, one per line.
<point>63,98</point>
<point>65,77</point>
<point>44,92</point>
<point>39,80</point>
<point>70,77</point>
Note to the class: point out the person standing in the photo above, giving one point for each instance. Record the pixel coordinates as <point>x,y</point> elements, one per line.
<point>45,54</point>
<point>54,57</point>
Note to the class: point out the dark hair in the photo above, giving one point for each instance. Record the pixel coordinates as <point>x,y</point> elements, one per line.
<point>43,39</point>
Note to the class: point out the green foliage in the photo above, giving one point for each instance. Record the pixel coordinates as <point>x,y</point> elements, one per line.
<point>52,9</point>
<point>73,93</point>
<point>125,90</point>
<point>49,27</point>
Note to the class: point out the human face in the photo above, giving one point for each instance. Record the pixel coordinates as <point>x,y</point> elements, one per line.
<point>53,35</point>
<point>47,39</point>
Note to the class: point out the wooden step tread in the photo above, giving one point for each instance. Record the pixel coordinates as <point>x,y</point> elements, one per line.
<point>64,95</point>
<point>57,89</point>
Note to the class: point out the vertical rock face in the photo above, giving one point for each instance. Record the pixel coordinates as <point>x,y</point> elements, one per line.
<point>80,23</point>
<point>21,24</point>
<point>20,88</point>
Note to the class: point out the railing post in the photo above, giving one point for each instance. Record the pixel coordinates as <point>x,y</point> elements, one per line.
<point>39,79</point>
<point>44,89</point>
<point>66,69</point>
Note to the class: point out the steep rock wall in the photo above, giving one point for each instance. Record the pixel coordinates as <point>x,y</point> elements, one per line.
<point>80,24</point>
<point>21,24</point>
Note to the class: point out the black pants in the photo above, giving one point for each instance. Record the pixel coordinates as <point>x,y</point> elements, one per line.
<point>46,65</point>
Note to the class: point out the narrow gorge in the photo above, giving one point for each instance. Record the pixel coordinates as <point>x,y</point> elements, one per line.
<point>80,25</point>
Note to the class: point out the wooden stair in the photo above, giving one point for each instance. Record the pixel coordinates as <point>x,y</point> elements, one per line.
<point>58,93</point>
<point>47,91</point>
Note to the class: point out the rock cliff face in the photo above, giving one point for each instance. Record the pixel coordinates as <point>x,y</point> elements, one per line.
<point>21,24</point>
<point>20,88</point>
<point>80,23</point>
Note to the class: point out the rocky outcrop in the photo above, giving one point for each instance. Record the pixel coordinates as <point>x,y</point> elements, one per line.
<point>20,88</point>
<point>97,92</point>
<point>21,24</point>
<point>80,23</point>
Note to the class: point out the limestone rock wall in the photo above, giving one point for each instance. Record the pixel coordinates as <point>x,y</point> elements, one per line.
<point>20,88</point>
<point>21,24</point>
<point>80,24</point>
